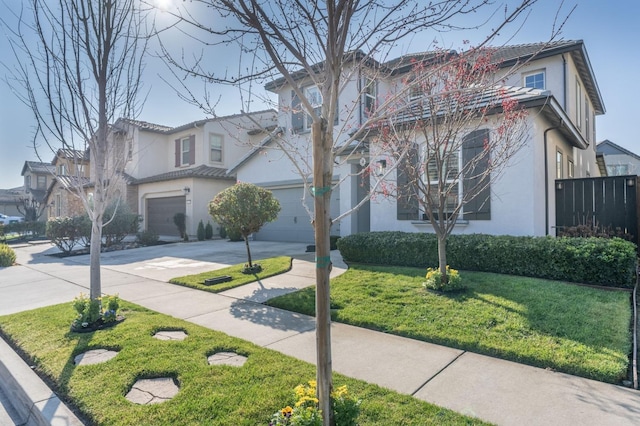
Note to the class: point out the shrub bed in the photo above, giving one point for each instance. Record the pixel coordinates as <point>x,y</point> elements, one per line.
<point>599,261</point>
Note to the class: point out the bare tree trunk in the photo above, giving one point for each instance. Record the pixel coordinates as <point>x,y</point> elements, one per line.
<point>246,243</point>
<point>322,224</point>
<point>442,256</point>
<point>94,257</point>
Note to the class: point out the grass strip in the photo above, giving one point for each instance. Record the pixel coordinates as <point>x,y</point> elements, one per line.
<point>270,267</point>
<point>568,328</point>
<point>209,395</point>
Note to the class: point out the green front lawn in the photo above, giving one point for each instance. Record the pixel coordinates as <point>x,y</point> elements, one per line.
<point>209,395</point>
<point>270,267</point>
<point>576,330</point>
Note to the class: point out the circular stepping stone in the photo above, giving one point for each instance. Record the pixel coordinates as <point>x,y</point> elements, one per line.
<point>152,391</point>
<point>170,335</point>
<point>227,358</point>
<point>94,356</point>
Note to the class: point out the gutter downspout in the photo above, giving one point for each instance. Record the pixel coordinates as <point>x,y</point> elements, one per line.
<point>546,179</point>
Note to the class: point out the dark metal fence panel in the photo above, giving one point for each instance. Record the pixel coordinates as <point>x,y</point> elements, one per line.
<point>606,203</point>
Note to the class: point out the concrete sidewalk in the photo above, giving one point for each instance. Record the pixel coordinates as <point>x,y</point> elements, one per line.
<point>494,390</point>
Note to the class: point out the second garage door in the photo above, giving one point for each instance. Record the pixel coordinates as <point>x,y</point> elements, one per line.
<point>160,212</point>
<point>293,223</point>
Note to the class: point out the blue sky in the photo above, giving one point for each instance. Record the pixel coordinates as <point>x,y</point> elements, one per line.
<point>611,34</point>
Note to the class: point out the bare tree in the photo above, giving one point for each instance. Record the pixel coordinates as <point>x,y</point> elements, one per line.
<point>79,64</point>
<point>450,139</point>
<point>322,45</point>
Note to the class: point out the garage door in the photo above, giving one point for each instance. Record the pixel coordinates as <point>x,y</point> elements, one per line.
<point>293,223</point>
<point>160,212</point>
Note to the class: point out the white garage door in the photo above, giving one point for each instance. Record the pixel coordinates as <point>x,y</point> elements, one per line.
<point>293,223</point>
<point>160,212</point>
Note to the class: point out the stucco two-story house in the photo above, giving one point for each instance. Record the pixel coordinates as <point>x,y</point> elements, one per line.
<point>554,82</point>
<point>71,177</point>
<point>169,170</point>
<point>37,178</point>
<point>618,160</point>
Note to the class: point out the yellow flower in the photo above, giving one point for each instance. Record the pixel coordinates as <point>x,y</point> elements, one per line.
<point>286,411</point>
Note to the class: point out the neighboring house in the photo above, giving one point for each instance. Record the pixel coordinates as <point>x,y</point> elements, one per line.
<point>556,85</point>
<point>171,170</point>
<point>9,198</point>
<point>618,160</point>
<point>37,178</point>
<point>72,171</point>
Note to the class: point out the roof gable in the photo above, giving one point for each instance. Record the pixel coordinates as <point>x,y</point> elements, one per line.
<point>606,147</point>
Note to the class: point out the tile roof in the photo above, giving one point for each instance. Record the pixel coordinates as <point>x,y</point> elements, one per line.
<point>11,195</point>
<point>72,154</point>
<point>37,167</point>
<point>202,172</point>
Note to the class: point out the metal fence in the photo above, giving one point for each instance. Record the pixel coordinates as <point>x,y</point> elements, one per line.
<point>604,204</point>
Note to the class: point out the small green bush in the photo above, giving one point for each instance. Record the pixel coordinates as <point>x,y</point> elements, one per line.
<point>607,262</point>
<point>7,256</point>
<point>208,231</point>
<point>434,280</point>
<point>180,220</point>
<point>223,232</point>
<point>234,235</point>
<point>66,232</point>
<point>200,232</point>
<point>333,242</point>
<point>147,238</point>
<point>120,222</point>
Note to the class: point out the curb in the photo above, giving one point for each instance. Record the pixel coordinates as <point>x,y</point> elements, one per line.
<point>35,403</point>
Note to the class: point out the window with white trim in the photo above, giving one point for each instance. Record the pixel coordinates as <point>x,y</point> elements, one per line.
<point>369,97</point>
<point>313,95</point>
<point>62,169</point>
<point>535,80</point>
<point>448,175</point>
<point>215,148</point>
<point>41,182</point>
<point>570,168</point>
<point>58,205</point>
<point>559,169</point>
<point>587,118</point>
<point>185,150</point>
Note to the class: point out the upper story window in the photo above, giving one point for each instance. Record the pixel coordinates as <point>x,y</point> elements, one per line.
<point>80,168</point>
<point>27,181</point>
<point>535,80</point>
<point>215,148</point>
<point>369,97</point>
<point>42,182</point>
<point>578,104</point>
<point>185,151</point>
<point>587,118</point>
<point>300,121</point>
<point>62,170</point>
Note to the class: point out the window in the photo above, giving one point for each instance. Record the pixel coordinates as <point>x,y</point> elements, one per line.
<point>558,165</point>
<point>215,148</point>
<point>535,80</point>
<point>314,97</point>
<point>407,207</point>
<point>587,115</point>
<point>27,182</point>
<point>42,182</point>
<point>578,104</point>
<point>570,168</point>
<point>80,168</point>
<point>618,169</point>
<point>300,121</point>
<point>476,183</point>
<point>369,97</point>
<point>62,170</point>
<point>185,151</point>
<point>447,175</point>
<point>58,205</point>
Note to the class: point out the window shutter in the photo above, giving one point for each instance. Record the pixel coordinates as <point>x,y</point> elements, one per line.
<point>297,122</point>
<point>192,149</point>
<point>473,145</point>
<point>407,200</point>
<point>178,152</point>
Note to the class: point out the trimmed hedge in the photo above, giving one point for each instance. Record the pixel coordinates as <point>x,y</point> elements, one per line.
<point>599,261</point>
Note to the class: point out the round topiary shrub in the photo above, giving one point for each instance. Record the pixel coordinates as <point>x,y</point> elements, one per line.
<point>7,255</point>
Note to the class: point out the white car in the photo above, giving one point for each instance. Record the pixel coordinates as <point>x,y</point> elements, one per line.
<point>5,220</point>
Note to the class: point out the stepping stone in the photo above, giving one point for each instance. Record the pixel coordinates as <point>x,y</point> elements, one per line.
<point>227,358</point>
<point>152,391</point>
<point>94,356</point>
<point>170,335</point>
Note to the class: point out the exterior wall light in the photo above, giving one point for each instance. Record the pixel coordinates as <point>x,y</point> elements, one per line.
<point>631,181</point>
<point>186,190</point>
<point>559,186</point>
